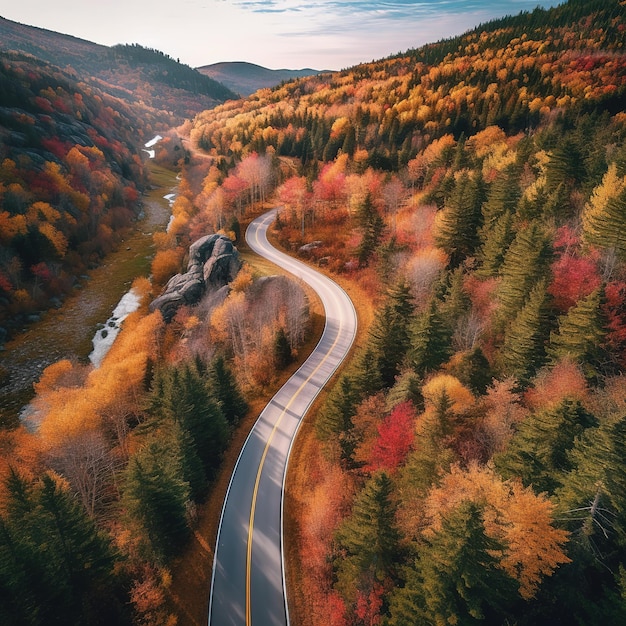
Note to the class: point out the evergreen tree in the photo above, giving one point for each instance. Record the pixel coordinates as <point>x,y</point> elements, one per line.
<point>224,388</point>
<point>155,496</point>
<point>538,452</point>
<point>592,506</point>
<point>526,262</point>
<point>594,492</point>
<point>365,372</point>
<point>282,349</point>
<point>604,216</point>
<point>456,302</point>
<point>180,395</point>
<point>349,142</point>
<point>502,197</point>
<point>431,456</point>
<point>565,166</point>
<point>581,334</point>
<point>430,340</point>
<point>389,334</point>
<point>335,421</point>
<point>192,469</point>
<point>523,349</point>
<point>372,225</point>
<point>408,387</point>
<point>368,539</point>
<point>495,243</point>
<point>457,232</point>
<point>456,578</point>
<point>55,566</point>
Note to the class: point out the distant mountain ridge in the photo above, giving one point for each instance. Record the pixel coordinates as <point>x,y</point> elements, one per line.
<point>122,70</point>
<point>246,78</point>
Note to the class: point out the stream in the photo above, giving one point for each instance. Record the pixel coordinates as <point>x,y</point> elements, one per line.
<point>67,332</point>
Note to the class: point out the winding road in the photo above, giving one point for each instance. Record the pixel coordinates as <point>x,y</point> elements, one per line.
<point>248,583</point>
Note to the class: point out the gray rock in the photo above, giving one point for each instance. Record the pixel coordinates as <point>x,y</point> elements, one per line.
<point>213,263</point>
<point>307,247</point>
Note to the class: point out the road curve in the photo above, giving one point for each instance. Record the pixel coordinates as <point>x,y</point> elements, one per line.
<point>248,582</point>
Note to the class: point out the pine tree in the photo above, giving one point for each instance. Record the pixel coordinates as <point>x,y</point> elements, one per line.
<point>457,232</point>
<point>408,387</point>
<point>565,166</point>
<point>335,421</point>
<point>368,539</point>
<point>431,456</point>
<point>282,349</point>
<point>502,197</point>
<point>389,334</point>
<point>526,262</point>
<point>604,216</point>
<point>456,578</point>
<point>593,496</point>
<point>430,340</point>
<point>55,566</point>
<point>592,507</point>
<point>538,452</point>
<point>456,302</point>
<point>581,335</point>
<point>224,388</point>
<point>495,243</point>
<point>180,395</point>
<point>372,225</point>
<point>523,349</point>
<point>155,496</point>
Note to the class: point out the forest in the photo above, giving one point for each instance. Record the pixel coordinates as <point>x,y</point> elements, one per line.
<point>468,464</point>
<point>71,176</point>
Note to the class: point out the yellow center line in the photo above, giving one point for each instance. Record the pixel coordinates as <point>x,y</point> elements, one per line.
<point>260,471</point>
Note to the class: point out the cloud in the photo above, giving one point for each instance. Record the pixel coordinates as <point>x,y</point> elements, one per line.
<point>389,9</point>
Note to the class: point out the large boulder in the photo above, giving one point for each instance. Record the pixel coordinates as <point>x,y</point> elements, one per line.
<point>213,262</point>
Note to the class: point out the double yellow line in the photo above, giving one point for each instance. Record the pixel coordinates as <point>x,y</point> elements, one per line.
<point>262,463</point>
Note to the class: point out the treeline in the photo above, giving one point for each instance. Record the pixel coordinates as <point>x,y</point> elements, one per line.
<point>147,80</point>
<point>71,175</point>
<point>169,71</point>
<point>511,76</point>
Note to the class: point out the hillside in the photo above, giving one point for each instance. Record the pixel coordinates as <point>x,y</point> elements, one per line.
<point>125,71</point>
<point>246,78</point>
<point>71,176</point>
<point>475,188</point>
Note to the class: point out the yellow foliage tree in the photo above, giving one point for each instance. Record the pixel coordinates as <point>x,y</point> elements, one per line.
<point>457,393</point>
<point>514,515</point>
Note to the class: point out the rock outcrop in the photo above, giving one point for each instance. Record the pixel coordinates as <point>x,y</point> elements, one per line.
<point>213,263</point>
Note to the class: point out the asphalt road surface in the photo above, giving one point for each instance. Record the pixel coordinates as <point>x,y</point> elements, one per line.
<point>248,583</point>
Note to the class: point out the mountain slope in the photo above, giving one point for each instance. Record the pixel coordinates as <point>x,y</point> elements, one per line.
<point>509,75</point>
<point>71,175</point>
<point>120,70</point>
<point>246,78</point>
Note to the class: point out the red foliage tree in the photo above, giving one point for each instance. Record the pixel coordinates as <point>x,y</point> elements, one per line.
<point>368,605</point>
<point>336,610</point>
<point>395,439</point>
<point>615,312</point>
<point>573,278</point>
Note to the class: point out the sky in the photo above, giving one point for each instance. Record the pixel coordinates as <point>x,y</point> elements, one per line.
<point>293,34</point>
